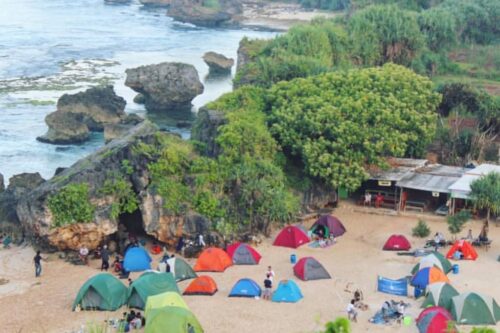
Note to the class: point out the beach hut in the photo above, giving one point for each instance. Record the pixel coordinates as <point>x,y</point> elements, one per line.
<point>435,259</point>
<point>397,243</point>
<point>435,320</point>
<point>288,292</point>
<point>245,288</point>
<point>474,309</point>
<point>428,275</point>
<point>243,254</point>
<point>202,285</point>
<point>439,294</point>
<point>172,319</point>
<point>101,292</point>
<point>213,260</point>
<point>180,269</point>
<point>291,236</point>
<point>136,259</point>
<point>309,268</point>
<point>468,251</point>
<point>330,224</point>
<point>149,285</point>
<point>164,299</point>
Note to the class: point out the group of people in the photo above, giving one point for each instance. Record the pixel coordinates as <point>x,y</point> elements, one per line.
<point>131,320</point>
<point>356,302</point>
<point>379,199</point>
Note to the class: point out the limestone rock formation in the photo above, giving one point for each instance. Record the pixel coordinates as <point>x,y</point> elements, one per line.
<point>114,131</point>
<point>139,99</point>
<point>65,128</point>
<point>206,13</point>
<point>218,63</point>
<point>168,85</point>
<point>205,129</point>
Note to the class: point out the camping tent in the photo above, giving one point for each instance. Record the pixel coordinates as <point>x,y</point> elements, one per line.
<point>465,247</point>
<point>101,292</point>
<point>397,243</point>
<point>474,309</point>
<point>172,319</point>
<point>149,285</point>
<point>169,298</point>
<point>435,320</point>
<point>428,275</point>
<point>291,236</point>
<point>287,291</point>
<point>202,285</point>
<point>330,224</point>
<point>439,294</point>
<point>245,288</point>
<point>136,259</point>
<point>243,254</point>
<point>309,268</point>
<point>180,269</point>
<point>433,259</point>
<point>213,260</point>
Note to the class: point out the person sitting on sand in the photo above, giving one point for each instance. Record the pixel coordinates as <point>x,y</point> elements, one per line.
<point>156,249</point>
<point>84,255</point>
<point>131,316</point>
<point>386,309</point>
<point>268,287</point>
<point>400,311</point>
<point>117,265</point>
<point>358,295</point>
<point>137,321</point>
<point>483,236</point>
<point>458,255</point>
<point>352,314</point>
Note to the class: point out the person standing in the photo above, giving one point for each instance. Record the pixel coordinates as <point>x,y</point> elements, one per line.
<point>352,314</point>
<point>38,264</point>
<point>105,258</point>
<point>268,287</point>
<point>270,273</point>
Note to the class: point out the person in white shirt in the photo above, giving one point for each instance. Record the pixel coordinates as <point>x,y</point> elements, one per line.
<point>84,254</point>
<point>368,199</point>
<point>352,314</point>
<point>270,272</point>
<point>400,308</point>
<point>201,241</point>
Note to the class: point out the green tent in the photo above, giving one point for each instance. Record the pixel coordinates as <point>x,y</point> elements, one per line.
<point>172,319</point>
<point>169,298</point>
<point>181,269</point>
<point>439,294</point>
<point>475,309</point>
<point>434,259</point>
<point>149,284</point>
<point>101,292</point>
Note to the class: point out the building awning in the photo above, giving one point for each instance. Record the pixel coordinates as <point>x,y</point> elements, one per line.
<point>461,188</point>
<point>432,178</point>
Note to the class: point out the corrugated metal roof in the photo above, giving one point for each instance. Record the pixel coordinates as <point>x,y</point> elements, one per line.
<point>461,188</point>
<point>400,167</point>
<point>432,178</point>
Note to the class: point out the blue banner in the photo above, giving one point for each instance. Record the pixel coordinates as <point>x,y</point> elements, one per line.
<point>393,287</point>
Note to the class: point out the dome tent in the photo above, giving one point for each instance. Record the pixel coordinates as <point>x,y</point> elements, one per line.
<point>397,243</point>
<point>474,309</point>
<point>330,224</point>
<point>150,284</point>
<point>164,299</point>
<point>202,285</point>
<point>435,320</point>
<point>428,275</point>
<point>136,259</point>
<point>101,292</point>
<point>439,294</point>
<point>309,268</point>
<point>468,251</point>
<point>288,292</point>
<point>243,254</point>
<point>172,319</point>
<point>435,259</point>
<point>213,260</point>
<point>291,236</point>
<point>245,288</point>
<point>180,269</point>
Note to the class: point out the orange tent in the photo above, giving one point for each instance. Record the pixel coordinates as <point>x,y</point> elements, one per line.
<point>465,247</point>
<point>213,260</point>
<point>202,285</point>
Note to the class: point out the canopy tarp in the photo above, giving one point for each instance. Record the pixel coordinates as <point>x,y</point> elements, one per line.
<point>393,287</point>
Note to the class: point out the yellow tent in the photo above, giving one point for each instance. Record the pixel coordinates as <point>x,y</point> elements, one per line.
<point>169,298</point>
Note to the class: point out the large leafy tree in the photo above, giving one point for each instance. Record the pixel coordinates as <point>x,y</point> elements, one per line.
<point>340,123</point>
<point>485,193</point>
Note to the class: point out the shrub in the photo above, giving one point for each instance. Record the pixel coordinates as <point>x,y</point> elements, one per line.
<point>483,330</point>
<point>421,230</point>
<point>71,205</point>
<point>340,325</point>
<point>456,222</point>
<point>125,199</point>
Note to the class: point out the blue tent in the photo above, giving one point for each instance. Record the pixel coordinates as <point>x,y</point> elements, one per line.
<point>287,291</point>
<point>136,260</point>
<point>245,288</point>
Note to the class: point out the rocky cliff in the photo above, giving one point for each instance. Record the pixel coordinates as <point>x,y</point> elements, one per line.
<point>208,13</point>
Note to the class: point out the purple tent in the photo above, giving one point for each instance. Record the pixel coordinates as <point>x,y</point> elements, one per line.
<point>331,223</point>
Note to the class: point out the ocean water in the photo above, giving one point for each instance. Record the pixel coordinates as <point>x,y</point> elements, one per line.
<point>52,47</point>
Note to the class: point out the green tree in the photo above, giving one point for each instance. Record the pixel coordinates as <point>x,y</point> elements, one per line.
<point>485,193</point>
<point>71,205</point>
<point>340,123</point>
<point>384,33</point>
<point>439,27</point>
<point>456,222</point>
<point>421,230</point>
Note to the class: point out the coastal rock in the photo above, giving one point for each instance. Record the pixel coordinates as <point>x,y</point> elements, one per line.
<point>203,13</point>
<point>218,63</point>
<point>158,3</point>
<point>65,128</point>
<point>169,85</point>
<point>2,184</point>
<point>98,106</point>
<point>317,197</point>
<point>205,130</point>
<point>113,131</point>
<point>139,99</point>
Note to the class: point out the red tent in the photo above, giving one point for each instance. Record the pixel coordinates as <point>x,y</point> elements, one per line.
<point>465,247</point>
<point>243,254</point>
<point>291,236</point>
<point>397,243</point>
<point>435,320</point>
<point>309,268</point>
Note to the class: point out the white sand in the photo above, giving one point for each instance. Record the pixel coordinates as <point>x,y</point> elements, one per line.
<point>43,305</point>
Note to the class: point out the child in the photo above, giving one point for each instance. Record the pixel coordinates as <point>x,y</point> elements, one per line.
<point>268,287</point>
<point>352,314</point>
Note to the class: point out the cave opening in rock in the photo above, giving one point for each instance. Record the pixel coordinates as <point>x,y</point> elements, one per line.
<point>131,229</point>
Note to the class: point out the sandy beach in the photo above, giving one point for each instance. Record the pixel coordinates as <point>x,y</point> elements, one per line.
<point>43,305</point>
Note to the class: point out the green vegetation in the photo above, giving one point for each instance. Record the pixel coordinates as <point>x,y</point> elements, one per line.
<point>340,325</point>
<point>421,230</point>
<point>456,222</point>
<point>483,330</point>
<point>323,120</point>
<point>71,205</point>
<point>485,193</point>
<point>125,199</point>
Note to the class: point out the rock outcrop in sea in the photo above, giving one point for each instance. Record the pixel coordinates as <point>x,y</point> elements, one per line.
<point>165,86</point>
<point>79,114</point>
<point>157,3</point>
<point>218,63</point>
<point>214,13</point>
